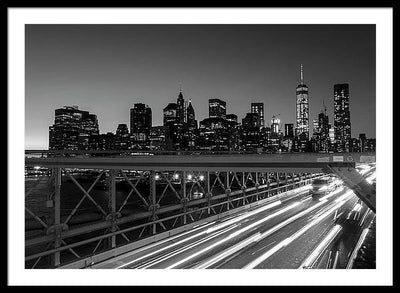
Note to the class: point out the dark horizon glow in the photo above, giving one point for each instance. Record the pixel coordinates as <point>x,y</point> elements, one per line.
<point>105,69</point>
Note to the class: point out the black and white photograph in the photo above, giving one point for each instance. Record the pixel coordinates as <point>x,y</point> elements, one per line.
<point>247,142</point>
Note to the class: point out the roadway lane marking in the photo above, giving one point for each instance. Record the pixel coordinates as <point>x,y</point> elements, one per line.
<point>343,199</point>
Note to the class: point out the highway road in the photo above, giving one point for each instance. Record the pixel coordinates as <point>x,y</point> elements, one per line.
<point>292,233</point>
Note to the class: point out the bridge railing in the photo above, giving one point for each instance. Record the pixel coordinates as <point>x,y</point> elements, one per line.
<point>167,204</point>
<point>136,152</point>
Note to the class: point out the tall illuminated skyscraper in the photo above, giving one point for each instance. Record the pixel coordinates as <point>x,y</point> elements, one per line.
<point>259,109</point>
<point>302,113</point>
<point>341,114</point>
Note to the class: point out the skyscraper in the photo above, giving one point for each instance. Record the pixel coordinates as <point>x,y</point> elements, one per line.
<point>175,127</point>
<point>190,125</point>
<point>275,122</point>
<point>190,116</point>
<point>181,108</point>
<point>289,130</point>
<point>302,113</point>
<point>72,128</point>
<point>323,123</point>
<point>287,140</point>
<point>259,109</point>
<point>170,114</point>
<point>363,140</point>
<point>121,139</point>
<point>141,122</point>
<point>341,113</point>
<point>216,108</point>
<point>233,131</point>
<point>315,127</point>
<point>250,134</point>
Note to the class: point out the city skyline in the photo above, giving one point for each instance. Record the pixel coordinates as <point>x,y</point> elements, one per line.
<point>278,81</point>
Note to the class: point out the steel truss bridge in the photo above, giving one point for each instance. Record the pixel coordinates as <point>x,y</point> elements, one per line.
<point>150,196</point>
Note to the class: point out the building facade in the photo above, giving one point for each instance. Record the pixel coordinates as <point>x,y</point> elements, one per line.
<point>122,138</point>
<point>289,130</point>
<point>342,124</point>
<point>72,128</point>
<point>259,109</point>
<point>216,108</point>
<point>302,114</point>
<point>320,138</point>
<point>141,122</point>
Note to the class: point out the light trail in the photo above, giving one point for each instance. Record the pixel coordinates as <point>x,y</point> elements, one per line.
<point>210,230</point>
<point>233,235</point>
<point>310,260</point>
<point>357,207</point>
<point>371,178</point>
<point>183,249</point>
<point>329,260</point>
<point>226,253</point>
<point>198,227</point>
<point>365,215</point>
<point>246,215</point>
<point>336,259</point>
<point>355,251</point>
<point>288,240</point>
<point>232,250</point>
<point>332,193</point>
<point>344,196</point>
<point>162,249</point>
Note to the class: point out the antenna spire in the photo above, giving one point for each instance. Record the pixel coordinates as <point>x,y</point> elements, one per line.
<point>301,74</point>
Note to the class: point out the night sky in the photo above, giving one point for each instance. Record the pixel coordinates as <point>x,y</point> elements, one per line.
<point>105,69</point>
